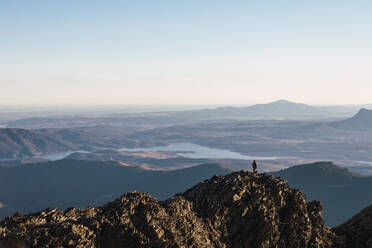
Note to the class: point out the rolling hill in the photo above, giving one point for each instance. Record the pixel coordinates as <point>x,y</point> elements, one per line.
<point>21,143</point>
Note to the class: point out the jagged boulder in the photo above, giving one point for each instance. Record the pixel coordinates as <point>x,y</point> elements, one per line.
<point>238,210</point>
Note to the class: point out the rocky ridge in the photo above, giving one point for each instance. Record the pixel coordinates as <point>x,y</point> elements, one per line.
<point>237,210</point>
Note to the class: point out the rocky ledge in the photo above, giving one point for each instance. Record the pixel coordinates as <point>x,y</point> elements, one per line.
<point>238,210</point>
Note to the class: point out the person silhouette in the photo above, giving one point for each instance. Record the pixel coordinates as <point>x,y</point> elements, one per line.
<point>254,166</point>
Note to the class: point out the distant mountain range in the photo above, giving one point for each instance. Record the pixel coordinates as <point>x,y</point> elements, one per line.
<point>80,183</point>
<point>284,109</point>
<point>278,110</point>
<point>342,193</point>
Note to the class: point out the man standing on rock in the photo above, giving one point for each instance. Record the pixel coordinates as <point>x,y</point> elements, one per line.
<point>254,166</point>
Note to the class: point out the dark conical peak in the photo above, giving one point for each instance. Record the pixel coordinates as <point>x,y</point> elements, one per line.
<point>362,119</point>
<point>364,111</point>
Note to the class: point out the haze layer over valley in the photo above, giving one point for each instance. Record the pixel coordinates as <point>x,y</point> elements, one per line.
<point>279,134</point>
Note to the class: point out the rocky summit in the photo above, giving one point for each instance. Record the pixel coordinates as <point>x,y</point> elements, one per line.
<point>237,210</point>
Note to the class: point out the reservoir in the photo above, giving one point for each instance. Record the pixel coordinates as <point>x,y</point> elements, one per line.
<point>190,150</point>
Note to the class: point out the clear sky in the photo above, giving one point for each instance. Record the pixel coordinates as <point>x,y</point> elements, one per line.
<point>185,51</point>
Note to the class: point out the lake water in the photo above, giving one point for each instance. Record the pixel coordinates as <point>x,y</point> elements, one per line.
<point>190,150</point>
<point>58,156</point>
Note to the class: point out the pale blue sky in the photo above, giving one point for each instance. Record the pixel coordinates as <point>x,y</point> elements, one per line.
<point>185,52</point>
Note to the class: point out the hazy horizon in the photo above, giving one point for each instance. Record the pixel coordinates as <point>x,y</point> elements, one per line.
<point>165,106</point>
<point>184,53</point>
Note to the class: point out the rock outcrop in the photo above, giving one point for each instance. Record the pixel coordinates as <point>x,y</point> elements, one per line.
<point>238,210</point>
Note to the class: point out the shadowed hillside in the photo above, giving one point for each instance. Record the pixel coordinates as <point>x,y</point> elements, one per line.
<point>342,193</point>
<point>80,183</point>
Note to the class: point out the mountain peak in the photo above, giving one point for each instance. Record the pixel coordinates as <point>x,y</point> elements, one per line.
<point>282,102</point>
<point>364,111</point>
<point>362,119</point>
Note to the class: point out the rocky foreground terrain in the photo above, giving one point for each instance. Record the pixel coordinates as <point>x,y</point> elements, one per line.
<point>238,210</point>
